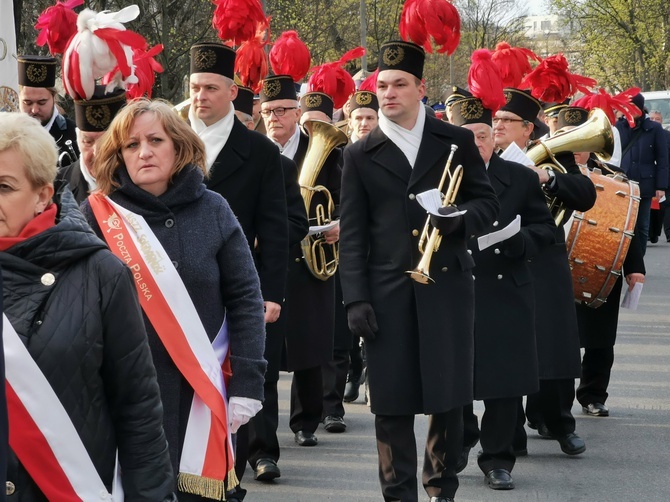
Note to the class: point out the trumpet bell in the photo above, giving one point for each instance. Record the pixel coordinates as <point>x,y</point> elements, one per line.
<point>420,276</point>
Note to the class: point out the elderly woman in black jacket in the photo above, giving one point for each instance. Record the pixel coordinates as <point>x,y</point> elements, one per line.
<point>82,388</point>
<point>198,286</point>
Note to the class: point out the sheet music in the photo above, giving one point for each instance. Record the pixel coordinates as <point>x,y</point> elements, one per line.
<point>488,240</point>
<point>317,229</point>
<point>515,154</point>
<point>632,298</point>
<point>431,201</point>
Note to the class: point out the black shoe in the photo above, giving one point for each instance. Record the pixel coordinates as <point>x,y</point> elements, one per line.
<point>572,444</point>
<point>305,438</point>
<point>653,240</point>
<point>544,432</point>
<point>333,423</point>
<point>596,410</point>
<point>463,459</point>
<point>352,389</point>
<point>266,470</point>
<point>441,499</point>
<point>499,479</point>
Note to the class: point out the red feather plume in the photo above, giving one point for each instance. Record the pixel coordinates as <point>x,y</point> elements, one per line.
<point>290,56</point>
<point>146,68</point>
<point>238,20</point>
<point>332,79</point>
<point>608,103</point>
<point>58,24</point>
<point>552,82</point>
<point>484,80</point>
<point>422,20</point>
<point>251,61</point>
<point>370,83</point>
<point>513,62</point>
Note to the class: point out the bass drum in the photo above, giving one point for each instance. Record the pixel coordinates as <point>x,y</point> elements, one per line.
<point>599,238</point>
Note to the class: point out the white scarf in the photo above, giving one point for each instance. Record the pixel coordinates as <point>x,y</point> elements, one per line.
<point>53,119</point>
<point>90,180</point>
<point>291,147</point>
<point>408,140</point>
<point>214,136</point>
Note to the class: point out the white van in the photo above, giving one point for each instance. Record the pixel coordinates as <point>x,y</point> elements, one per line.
<point>659,101</point>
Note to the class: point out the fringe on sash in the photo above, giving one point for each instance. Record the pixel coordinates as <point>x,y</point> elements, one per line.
<point>207,487</point>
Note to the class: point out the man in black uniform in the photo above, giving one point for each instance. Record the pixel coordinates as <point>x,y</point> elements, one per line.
<point>549,410</point>
<point>419,338</point>
<point>93,117</point>
<point>505,348</point>
<point>37,98</point>
<point>310,301</point>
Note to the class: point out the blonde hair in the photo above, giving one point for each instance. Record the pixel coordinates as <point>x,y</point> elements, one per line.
<point>189,148</point>
<point>25,135</point>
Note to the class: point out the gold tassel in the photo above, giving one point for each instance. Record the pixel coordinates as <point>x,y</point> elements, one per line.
<point>205,487</point>
<point>231,480</point>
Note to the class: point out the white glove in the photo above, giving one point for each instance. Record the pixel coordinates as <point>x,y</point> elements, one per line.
<point>241,410</point>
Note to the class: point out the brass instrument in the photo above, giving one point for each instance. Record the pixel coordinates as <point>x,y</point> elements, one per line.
<point>431,244</point>
<point>321,258</point>
<point>595,135</point>
<point>69,154</point>
<point>183,108</point>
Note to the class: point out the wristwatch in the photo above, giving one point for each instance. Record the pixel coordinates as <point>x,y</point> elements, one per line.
<point>552,177</point>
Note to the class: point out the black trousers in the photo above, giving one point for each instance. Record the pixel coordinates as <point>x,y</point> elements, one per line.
<point>306,400</point>
<point>552,405</point>
<point>334,380</point>
<point>470,427</point>
<point>396,448</point>
<point>596,371</point>
<point>497,435</point>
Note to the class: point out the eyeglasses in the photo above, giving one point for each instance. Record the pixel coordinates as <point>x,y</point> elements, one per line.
<point>279,112</point>
<point>507,120</point>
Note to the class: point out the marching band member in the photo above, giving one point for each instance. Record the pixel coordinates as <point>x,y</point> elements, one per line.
<point>419,339</point>
<point>202,303</point>
<point>364,114</point>
<point>83,385</point>
<point>506,366</point>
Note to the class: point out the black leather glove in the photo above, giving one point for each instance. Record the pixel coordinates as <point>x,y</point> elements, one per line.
<point>362,320</point>
<point>514,247</point>
<point>447,226</point>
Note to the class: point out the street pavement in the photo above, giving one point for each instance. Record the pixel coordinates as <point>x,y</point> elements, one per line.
<point>627,456</point>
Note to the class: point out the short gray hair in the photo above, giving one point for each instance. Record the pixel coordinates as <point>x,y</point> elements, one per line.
<point>25,135</point>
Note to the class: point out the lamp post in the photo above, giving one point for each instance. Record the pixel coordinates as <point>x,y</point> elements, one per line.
<point>546,43</point>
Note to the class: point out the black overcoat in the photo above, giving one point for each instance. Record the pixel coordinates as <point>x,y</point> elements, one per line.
<point>311,301</point>
<point>421,360</point>
<point>248,174</point>
<point>71,174</point>
<point>555,315</point>
<point>61,130</point>
<point>505,348</point>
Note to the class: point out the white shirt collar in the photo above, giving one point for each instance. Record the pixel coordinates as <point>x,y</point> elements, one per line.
<point>214,136</point>
<point>52,119</point>
<point>291,147</point>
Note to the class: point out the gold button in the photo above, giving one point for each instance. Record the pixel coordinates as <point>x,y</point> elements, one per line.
<point>48,279</point>
<point>469,251</point>
<point>297,260</point>
<point>500,276</point>
<point>412,196</point>
<point>10,488</point>
<point>415,232</point>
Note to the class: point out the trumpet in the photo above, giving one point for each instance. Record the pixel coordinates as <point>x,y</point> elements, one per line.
<point>430,239</point>
<point>67,157</point>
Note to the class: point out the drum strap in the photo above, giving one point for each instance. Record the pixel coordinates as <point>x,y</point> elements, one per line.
<point>631,142</point>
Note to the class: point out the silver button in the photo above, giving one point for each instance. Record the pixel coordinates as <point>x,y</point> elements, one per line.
<point>496,251</point>
<point>444,269</point>
<point>297,260</point>
<point>169,223</point>
<point>469,251</point>
<point>10,489</point>
<point>473,277</point>
<point>499,276</point>
<point>48,279</point>
<point>412,196</point>
<point>495,223</point>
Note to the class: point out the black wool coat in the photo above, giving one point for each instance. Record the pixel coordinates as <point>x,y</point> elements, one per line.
<point>248,174</point>
<point>555,315</point>
<point>310,301</point>
<point>505,348</point>
<point>421,360</point>
<point>71,175</point>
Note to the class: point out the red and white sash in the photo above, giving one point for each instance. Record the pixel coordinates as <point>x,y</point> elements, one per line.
<point>207,466</point>
<point>42,434</point>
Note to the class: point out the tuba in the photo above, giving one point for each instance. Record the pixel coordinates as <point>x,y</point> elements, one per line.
<point>321,258</point>
<point>595,135</point>
<point>182,109</point>
<point>430,239</point>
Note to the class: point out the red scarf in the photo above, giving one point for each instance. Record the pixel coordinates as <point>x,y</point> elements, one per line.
<point>37,225</point>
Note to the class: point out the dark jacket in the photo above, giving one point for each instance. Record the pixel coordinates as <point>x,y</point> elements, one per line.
<point>646,161</point>
<point>555,316</point>
<point>87,336</point>
<point>505,348</point>
<point>71,174</point>
<point>247,173</point>
<point>62,130</point>
<point>421,360</point>
<point>310,302</point>
<point>202,237</point>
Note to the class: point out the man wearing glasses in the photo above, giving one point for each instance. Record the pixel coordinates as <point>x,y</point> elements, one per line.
<point>549,410</point>
<point>310,302</point>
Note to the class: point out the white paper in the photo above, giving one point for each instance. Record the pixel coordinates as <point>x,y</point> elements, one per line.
<point>661,200</point>
<point>631,298</point>
<point>317,229</point>
<point>431,201</point>
<point>489,240</point>
<point>515,154</point>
